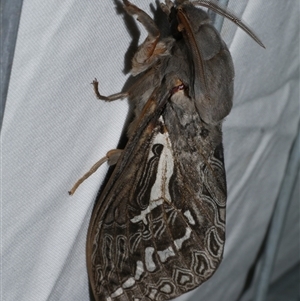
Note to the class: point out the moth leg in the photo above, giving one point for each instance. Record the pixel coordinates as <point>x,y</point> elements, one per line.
<point>112,97</point>
<point>150,50</point>
<point>167,6</point>
<point>111,158</point>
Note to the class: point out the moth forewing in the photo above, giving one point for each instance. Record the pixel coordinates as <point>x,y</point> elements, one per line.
<point>158,228</point>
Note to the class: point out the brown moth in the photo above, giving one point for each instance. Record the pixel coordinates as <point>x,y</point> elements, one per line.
<point>158,227</point>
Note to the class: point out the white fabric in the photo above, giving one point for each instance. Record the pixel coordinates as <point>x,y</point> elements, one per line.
<point>54,130</point>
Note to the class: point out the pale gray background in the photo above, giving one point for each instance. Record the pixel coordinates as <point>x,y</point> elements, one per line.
<point>54,130</point>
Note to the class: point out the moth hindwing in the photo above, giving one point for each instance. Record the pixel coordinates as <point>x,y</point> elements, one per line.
<point>158,227</point>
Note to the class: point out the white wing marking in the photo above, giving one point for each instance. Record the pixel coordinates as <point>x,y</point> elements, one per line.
<point>159,192</point>
<point>165,254</point>
<point>189,217</point>
<point>165,167</point>
<point>117,293</point>
<point>139,270</point>
<point>129,283</point>
<point>150,265</point>
<point>178,242</point>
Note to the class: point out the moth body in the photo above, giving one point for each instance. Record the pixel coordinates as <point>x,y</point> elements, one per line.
<point>158,227</point>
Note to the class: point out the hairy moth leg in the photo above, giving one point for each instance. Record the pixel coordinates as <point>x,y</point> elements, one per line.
<point>111,158</point>
<point>112,97</point>
<point>147,54</point>
<point>151,49</point>
<point>167,6</point>
<point>113,155</point>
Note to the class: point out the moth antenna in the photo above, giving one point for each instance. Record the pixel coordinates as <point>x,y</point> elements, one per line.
<point>219,9</point>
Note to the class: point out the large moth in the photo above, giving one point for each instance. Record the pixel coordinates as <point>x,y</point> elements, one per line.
<point>158,227</point>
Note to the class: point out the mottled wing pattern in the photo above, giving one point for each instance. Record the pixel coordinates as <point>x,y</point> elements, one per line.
<point>160,230</point>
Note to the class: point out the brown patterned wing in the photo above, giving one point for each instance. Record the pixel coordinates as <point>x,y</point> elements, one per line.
<point>159,231</point>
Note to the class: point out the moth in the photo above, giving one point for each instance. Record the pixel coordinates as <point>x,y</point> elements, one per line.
<point>158,228</point>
